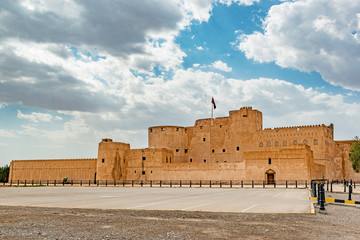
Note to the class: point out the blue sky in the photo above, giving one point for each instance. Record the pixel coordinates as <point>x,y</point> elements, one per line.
<point>74,72</point>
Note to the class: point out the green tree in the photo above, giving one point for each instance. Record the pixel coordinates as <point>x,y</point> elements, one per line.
<point>354,156</point>
<point>4,173</point>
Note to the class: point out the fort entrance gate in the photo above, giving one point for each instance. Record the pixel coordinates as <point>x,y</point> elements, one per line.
<point>270,176</point>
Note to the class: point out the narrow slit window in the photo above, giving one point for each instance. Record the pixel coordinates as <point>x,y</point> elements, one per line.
<point>223,149</point>
<point>237,148</point>
<point>190,159</point>
<point>103,160</point>
<point>269,160</point>
<point>204,160</point>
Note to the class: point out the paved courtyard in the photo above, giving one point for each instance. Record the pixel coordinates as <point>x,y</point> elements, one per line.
<point>186,199</point>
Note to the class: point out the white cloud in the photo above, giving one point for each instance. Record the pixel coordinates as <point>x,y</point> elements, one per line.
<point>7,133</point>
<point>35,117</point>
<point>311,35</point>
<point>221,66</point>
<point>195,65</point>
<point>200,48</point>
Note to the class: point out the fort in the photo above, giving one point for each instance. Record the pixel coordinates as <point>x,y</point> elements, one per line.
<point>226,148</point>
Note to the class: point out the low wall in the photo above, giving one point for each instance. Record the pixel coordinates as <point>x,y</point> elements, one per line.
<point>73,169</point>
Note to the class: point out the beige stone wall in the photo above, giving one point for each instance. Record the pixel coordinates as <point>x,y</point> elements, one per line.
<point>74,169</point>
<point>111,159</point>
<point>342,163</point>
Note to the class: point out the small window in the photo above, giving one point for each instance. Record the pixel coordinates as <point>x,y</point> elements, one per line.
<point>190,159</point>
<point>177,129</point>
<point>284,143</point>
<point>276,144</point>
<point>269,161</point>
<point>237,148</point>
<point>177,150</point>
<point>151,171</point>
<point>144,158</point>
<point>150,129</point>
<point>261,144</point>
<point>305,141</point>
<point>135,171</point>
<point>200,127</point>
<point>186,150</point>
<point>220,126</point>
<point>223,149</point>
<point>124,160</point>
<point>213,150</point>
<point>204,139</point>
<point>204,160</point>
<point>269,144</point>
<point>295,142</point>
<point>244,115</point>
<point>103,160</point>
<point>143,172</point>
<point>315,142</point>
<point>167,159</point>
<point>162,129</point>
<point>170,159</point>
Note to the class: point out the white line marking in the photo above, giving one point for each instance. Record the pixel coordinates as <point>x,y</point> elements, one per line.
<point>277,194</point>
<point>199,205</point>
<point>148,204</point>
<point>249,208</point>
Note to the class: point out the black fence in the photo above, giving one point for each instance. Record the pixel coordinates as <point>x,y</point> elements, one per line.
<point>165,183</point>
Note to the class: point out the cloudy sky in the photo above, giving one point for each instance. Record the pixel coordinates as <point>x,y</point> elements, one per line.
<point>73,72</point>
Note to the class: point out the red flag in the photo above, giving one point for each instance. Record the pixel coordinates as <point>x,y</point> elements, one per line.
<point>213,102</point>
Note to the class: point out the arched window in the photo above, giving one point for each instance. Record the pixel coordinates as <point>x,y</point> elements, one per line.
<point>167,159</point>
<point>284,143</point>
<point>315,142</point>
<point>276,144</point>
<point>261,144</point>
<point>305,141</point>
<point>268,144</point>
<point>295,142</point>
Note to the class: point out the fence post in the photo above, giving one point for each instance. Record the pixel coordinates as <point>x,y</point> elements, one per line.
<point>47,182</point>
<point>220,183</point>
<point>170,183</point>
<point>327,186</point>
<point>263,184</point>
<point>252,184</point>
<point>242,184</point>
<point>200,183</point>
<point>106,183</point>
<point>231,184</point>
<point>190,183</point>
<point>89,182</point>
<point>32,182</point>
<point>274,184</point>
<point>80,182</point>
<point>97,182</point>
<point>132,183</point>
<point>150,183</point>
<point>180,183</point>
<point>350,192</point>
<point>114,183</point>
<point>322,196</point>
<point>344,187</point>
<point>123,183</point>
<point>331,186</point>
<point>319,193</point>
<point>354,184</point>
<point>286,184</point>
<point>295,184</point>
<point>54,182</point>
<point>160,183</point>
<point>17,182</point>
<point>305,183</point>
<point>210,183</point>
<point>72,182</point>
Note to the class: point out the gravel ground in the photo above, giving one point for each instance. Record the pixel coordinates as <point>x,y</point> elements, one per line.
<point>339,222</point>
